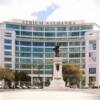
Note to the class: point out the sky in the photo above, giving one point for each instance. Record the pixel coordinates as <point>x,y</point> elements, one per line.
<point>50,10</point>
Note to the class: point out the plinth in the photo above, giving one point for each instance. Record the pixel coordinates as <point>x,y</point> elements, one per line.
<point>57,82</point>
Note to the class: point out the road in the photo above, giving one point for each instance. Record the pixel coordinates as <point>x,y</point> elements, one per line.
<point>32,94</point>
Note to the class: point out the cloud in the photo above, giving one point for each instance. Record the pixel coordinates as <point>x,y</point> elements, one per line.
<point>51,10</point>
<point>77,10</point>
<point>44,14</point>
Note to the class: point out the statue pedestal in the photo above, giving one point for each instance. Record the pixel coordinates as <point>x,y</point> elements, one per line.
<point>57,82</point>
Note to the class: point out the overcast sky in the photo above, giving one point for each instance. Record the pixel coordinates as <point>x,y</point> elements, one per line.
<point>55,10</point>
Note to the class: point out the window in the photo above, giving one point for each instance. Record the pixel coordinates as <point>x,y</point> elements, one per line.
<point>26,27</point>
<point>74,43</point>
<point>38,29</point>
<point>61,34</point>
<point>24,33</point>
<point>92,44</point>
<point>8,47</point>
<point>7,34</point>
<point>17,42</point>
<point>37,55</point>
<point>49,43</point>
<point>37,49</point>
<point>7,41</point>
<point>49,29</point>
<point>7,59</point>
<point>38,43</point>
<point>38,33</point>
<point>25,49</point>
<point>74,34</point>
<point>25,43</point>
<point>25,66</point>
<point>8,65</point>
<point>25,54</point>
<point>61,28</point>
<point>48,49</point>
<point>49,34</point>
<point>12,26</point>
<point>7,53</point>
<point>25,60</point>
<point>74,55</point>
<point>92,70</point>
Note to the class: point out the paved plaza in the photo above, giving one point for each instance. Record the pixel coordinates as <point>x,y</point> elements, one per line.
<point>40,94</point>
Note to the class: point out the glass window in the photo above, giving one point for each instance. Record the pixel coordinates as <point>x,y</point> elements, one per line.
<point>49,29</point>
<point>61,28</point>
<point>26,27</point>
<point>25,54</point>
<point>38,29</point>
<point>7,34</point>
<point>38,33</point>
<point>7,59</point>
<point>25,60</point>
<point>25,66</point>
<point>38,43</point>
<point>17,42</point>
<point>48,49</point>
<point>25,49</point>
<point>49,43</point>
<point>74,34</point>
<point>92,70</point>
<point>48,72</point>
<point>8,65</point>
<point>24,43</point>
<point>12,26</point>
<point>83,33</point>
<point>92,44</point>
<point>49,34</point>
<point>38,55</point>
<point>8,47</point>
<point>17,32</point>
<point>37,49</point>
<point>48,66</point>
<point>62,34</point>
<point>7,41</point>
<point>7,53</point>
<point>74,43</point>
<point>24,33</point>
<point>74,55</point>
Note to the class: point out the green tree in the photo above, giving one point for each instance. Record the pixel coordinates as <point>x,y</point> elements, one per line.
<point>71,74</point>
<point>21,77</point>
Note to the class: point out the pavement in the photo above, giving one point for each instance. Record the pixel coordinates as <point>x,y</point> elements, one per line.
<point>42,94</point>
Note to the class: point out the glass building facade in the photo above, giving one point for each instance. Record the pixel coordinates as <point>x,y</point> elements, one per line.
<point>33,45</point>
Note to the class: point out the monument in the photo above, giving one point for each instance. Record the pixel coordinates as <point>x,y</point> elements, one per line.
<point>57,82</point>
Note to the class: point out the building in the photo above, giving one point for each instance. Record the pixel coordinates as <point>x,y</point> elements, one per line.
<point>28,46</point>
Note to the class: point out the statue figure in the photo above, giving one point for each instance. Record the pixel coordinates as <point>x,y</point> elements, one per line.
<point>56,49</point>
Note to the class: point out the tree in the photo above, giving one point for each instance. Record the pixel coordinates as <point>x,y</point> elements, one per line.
<point>6,74</point>
<point>71,74</point>
<point>21,77</point>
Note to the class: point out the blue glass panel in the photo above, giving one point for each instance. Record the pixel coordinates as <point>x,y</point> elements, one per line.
<point>49,43</point>
<point>8,47</point>
<point>49,34</point>
<point>38,43</point>
<point>24,43</point>
<point>24,33</point>
<point>12,26</point>
<point>25,49</point>
<point>37,49</point>
<point>8,41</point>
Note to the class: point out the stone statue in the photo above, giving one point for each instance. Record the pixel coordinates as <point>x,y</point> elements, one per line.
<point>56,49</point>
